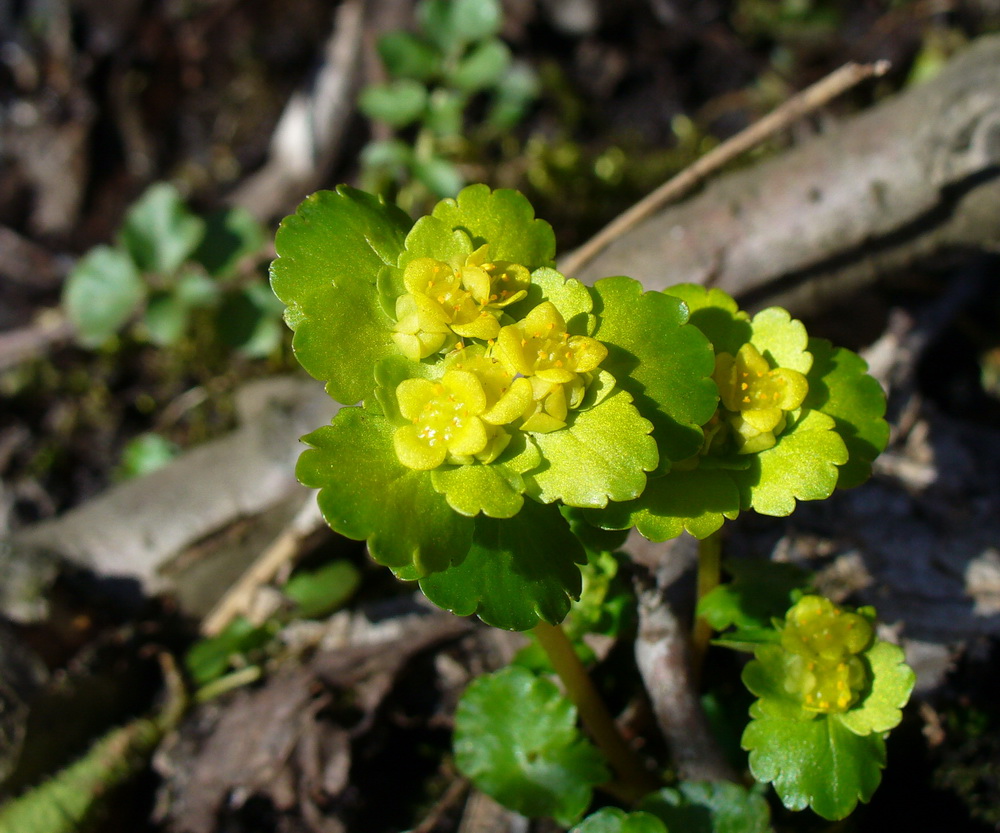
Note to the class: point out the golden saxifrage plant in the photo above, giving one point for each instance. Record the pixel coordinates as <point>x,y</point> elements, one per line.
<point>499,421</point>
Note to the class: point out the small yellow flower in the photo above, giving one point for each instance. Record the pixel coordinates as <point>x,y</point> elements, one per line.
<point>822,665</point>
<point>463,298</point>
<point>539,348</point>
<point>756,397</point>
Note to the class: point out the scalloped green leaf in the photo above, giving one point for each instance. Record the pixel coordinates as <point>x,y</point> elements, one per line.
<point>366,493</point>
<point>760,590</point>
<point>594,538</point>
<point>891,686</point>
<point>697,501</point>
<point>839,386</point>
<point>662,362</point>
<point>503,218</point>
<point>570,297</point>
<point>816,763</point>
<point>601,455</point>
<point>518,571</point>
<point>716,314</point>
<point>801,466</point>
<point>781,339</point>
<point>330,253</point>
<point>531,758</point>
<point>495,489</point>
<point>614,820</point>
<point>705,807</point>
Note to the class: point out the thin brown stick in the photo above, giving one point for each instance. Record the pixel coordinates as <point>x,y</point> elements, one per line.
<point>283,550</point>
<point>805,102</point>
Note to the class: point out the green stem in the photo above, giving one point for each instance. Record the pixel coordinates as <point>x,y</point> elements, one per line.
<point>709,573</point>
<point>633,781</point>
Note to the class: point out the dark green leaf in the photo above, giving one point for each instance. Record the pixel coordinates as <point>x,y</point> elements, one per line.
<point>159,231</point>
<point>196,291</point>
<point>703,807</point>
<point>102,293</point>
<point>440,176</point>
<point>716,314</point>
<point>249,320</point>
<point>518,571</point>
<point>482,67</point>
<point>516,739</point>
<point>513,95</point>
<point>329,255</point>
<point>454,23</point>
<point>397,104</point>
<point>614,820</point>
<point>407,56</point>
<point>320,592</point>
<point>665,364</point>
<point>759,592</point>
<point>446,114</point>
<point>144,454</point>
<point>230,235</point>
<point>697,501</point>
<point>392,154</point>
<point>166,319</point>
<point>210,658</point>
<point>366,493</point>
<point>839,386</point>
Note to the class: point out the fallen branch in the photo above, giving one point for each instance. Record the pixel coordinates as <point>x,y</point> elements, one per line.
<point>910,181</point>
<point>798,106</point>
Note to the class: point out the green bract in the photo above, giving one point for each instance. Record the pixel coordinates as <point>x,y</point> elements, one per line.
<point>482,384</point>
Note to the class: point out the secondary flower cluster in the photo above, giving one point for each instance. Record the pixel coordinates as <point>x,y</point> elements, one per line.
<point>528,375</point>
<point>755,398</point>
<point>822,665</point>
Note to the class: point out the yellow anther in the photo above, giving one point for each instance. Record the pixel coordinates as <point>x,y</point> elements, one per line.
<point>744,385</point>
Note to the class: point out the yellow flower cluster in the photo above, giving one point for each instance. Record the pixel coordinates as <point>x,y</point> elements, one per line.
<point>755,397</point>
<point>822,665</point>
<point>527,378</point>
<point>445,300</point>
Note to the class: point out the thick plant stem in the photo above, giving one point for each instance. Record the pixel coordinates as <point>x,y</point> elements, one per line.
<point>633,781</point>
<point>709,573</point>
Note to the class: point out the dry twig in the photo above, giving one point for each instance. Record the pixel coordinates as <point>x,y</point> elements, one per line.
<point>807,101</point>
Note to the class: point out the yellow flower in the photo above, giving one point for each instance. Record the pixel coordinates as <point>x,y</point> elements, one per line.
<point>463,298</point>
<point>822,665</point>
<point>447,422</point>
<point>756,397</point>
<point>556,363</point>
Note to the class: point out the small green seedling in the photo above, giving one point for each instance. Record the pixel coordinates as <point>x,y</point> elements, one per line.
<point>502,424</point>
<point>167,265</point>
<point>434,76</point>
